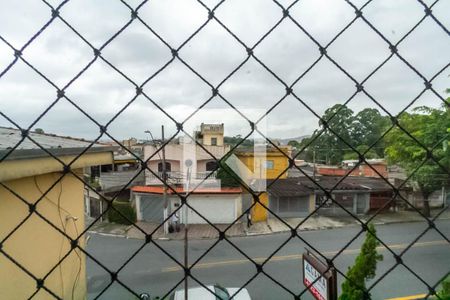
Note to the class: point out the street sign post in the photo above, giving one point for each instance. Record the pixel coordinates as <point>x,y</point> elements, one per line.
<point>318,278</point>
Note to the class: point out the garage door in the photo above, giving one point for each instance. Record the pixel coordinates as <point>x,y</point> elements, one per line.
<point>218,210</point>
<point>290,207</point>
<point>152,208</point>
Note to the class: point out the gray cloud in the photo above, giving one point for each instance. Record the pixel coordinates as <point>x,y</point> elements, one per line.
<point>101,92</point>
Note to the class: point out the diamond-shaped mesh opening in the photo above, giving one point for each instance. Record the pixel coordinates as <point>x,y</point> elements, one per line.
<point>351,72</point>
<point>33,15</point>
<point>68,53</point>
<point>372,51</point>
<point>388,21</point>
<point>108,20</point>
<point>428,32</point>
<point>143,52</point>
<point>13,82</point>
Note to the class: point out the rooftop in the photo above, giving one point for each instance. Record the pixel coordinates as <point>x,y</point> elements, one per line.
<point>11,138</point>
<point>298,186</point>
<point>289,187</point>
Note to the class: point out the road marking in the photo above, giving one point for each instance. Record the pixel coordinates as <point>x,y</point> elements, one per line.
<point>299,256</point>
<point>413,297</point>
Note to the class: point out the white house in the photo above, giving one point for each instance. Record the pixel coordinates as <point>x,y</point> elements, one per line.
<point>219,206</point>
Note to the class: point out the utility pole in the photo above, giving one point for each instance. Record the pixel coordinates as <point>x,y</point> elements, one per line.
<point>166,204</point>
<point>314,163</point>
<point>188,164</point>
<point>163,159</point>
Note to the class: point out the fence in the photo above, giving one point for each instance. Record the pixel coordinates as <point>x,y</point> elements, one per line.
<point>283,11</point>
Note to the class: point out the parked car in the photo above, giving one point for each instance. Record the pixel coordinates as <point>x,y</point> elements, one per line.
<point>220,293</point>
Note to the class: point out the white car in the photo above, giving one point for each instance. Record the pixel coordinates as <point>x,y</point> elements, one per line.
<point>220,293</point>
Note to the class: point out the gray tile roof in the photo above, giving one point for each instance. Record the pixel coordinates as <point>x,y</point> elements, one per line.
<point>9,137</point>
<point>288,187</point>
<point>299,186</point>
<point>56,145</point>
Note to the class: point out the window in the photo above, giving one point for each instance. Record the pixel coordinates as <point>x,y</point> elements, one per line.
<point>168,167</point>
<point>211,165</point>
<point>214,141</point>
<point>269,164</point>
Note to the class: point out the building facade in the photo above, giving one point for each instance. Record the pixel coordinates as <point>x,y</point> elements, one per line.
<point>266,164</point>
<point>210,147</point>
<point>28,194</point>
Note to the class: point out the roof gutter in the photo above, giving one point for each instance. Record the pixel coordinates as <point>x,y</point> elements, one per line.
<point>39,153</point>
<point>35,164</point>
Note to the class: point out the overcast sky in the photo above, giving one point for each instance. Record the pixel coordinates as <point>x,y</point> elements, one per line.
<point>59,54</point>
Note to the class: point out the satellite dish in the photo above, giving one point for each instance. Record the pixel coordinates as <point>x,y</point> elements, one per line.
<point>188,162</point>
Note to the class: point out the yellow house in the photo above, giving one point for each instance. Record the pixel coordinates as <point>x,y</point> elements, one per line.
<point>211,134</point>
<point>41,212</point>
<point>267,164</point>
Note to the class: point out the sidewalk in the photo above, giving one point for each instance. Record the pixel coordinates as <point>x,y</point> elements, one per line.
<point>272,225</point>
<point>195,231</point>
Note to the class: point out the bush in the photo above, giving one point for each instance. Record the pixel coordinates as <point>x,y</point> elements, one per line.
<point>126,209</point>
<point>444,293</point>
<point>354,288</point>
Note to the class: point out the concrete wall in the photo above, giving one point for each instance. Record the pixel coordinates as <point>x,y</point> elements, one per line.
<point>113,181</point>
<point>356,203</point>
<point>201,165</point>
<point>175,156</point>
<point>361,203</point>
<point>437,198</point>
<point>256,162</point>
<point>174,165</point>
<point>362,170</point>
<point>36,245</point>
<point>312,202</point>
<point>208,136</point>
<point>259,212</point>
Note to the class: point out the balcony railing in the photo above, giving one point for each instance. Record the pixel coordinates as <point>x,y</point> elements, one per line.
<point>177,177</point>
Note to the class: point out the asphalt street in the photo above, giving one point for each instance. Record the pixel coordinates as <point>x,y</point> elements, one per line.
<point>152,271</point>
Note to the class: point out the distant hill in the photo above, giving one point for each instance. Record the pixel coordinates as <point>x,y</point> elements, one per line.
<point>285,141</point>
<point>248,143</point>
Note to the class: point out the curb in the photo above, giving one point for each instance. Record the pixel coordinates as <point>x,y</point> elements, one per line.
<point>107,234</point>
<point>246,233</point>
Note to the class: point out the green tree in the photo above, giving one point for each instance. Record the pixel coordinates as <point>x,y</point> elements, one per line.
<point>444,293</point>
<point>234,140</point>
<point>306,154</point>
<point>226,179</point>
<point>362,149</point>
<point>226,175</point>
<point>430,127</point>
<point>361,131</point>
<point>354,287</point>
<point>330,146</point>
<point>369,126</point>
<point>294,144</point>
